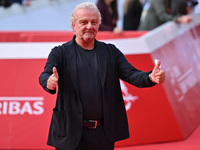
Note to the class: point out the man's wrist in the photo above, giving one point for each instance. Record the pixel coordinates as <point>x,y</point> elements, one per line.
<point>150,79</point>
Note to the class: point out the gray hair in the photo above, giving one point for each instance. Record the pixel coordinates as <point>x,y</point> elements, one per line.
<point>86,5</point>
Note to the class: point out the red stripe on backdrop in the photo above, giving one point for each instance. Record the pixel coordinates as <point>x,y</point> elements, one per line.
<point>60,36</point>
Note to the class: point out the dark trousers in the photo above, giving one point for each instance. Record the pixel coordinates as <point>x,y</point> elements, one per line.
<point>94,139</point>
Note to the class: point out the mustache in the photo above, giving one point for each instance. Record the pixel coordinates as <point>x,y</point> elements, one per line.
<point>89,31</point>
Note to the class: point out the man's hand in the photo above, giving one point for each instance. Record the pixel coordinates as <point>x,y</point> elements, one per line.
<point>184,19</point>
<point>53,80</point>
<point>157,75</point>
<point>117,30</point>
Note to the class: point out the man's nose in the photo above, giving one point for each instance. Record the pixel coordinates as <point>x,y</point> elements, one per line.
<point>89,25</point>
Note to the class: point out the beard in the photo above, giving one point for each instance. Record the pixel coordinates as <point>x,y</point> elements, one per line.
<point>88,36</point>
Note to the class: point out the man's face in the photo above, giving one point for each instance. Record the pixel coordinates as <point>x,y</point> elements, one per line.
<point>86,25</point>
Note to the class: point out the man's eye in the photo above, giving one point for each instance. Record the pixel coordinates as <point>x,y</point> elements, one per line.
<point>94,22</point>
<point>84,22</point>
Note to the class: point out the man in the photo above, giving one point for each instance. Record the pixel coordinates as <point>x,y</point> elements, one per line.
<point>90,112</point>
<point>162,11</point>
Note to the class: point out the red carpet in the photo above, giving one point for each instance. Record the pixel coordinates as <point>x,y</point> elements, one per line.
<point>191,143</point>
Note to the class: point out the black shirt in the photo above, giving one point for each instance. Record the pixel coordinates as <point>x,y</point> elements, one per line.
<point>89,83</point>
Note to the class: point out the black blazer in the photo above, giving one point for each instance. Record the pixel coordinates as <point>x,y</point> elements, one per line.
<point>67,119</point>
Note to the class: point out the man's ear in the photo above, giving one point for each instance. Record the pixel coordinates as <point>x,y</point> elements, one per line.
<point>73,25</point>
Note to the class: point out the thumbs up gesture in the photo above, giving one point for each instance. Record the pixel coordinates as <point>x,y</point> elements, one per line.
<point>53,80</point>
<point>157,75</point>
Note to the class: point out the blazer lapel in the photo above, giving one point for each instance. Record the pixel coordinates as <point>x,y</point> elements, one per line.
<point>101,57</point>
<point>70,54</point>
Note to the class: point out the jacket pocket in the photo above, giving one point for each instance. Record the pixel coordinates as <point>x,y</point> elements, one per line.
<point>59,123</point>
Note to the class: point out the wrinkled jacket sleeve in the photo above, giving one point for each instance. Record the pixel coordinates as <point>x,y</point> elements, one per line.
<point>161,11</point>
<point>53,60</point>
<point>129,73</point>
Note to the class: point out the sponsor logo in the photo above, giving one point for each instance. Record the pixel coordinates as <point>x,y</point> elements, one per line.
<point>128,97</point>
<point>21,105</point>
<point>34,105</point>
<point>181,81</point>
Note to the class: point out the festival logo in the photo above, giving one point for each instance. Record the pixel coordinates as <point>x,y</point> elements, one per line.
<point>128,97</point>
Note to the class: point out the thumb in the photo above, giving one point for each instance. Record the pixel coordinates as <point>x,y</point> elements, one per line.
<point>55,72</point>
<point>157,63</point>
